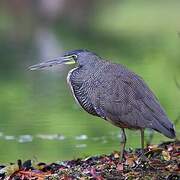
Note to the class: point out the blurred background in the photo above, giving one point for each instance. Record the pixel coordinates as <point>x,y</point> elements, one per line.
<point>38,115</point>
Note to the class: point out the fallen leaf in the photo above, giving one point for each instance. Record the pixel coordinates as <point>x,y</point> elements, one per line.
<point>130,161</point>
<point>166,155</point>
<point>152,147</point>
<point>120,167</point>
<point>9,170</point>
<point>116,155</point>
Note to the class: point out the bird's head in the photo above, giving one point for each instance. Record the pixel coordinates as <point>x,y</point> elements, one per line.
<point>80,57</point>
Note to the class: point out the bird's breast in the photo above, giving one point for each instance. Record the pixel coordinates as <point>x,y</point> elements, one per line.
<point>81,89</point>
<point>69,81</point>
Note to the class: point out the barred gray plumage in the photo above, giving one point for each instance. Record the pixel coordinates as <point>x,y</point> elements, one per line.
<point>114,93</point>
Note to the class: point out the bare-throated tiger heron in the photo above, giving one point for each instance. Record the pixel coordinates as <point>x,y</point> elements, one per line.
<point>114,93</point>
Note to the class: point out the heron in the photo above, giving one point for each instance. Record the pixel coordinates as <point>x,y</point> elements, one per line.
<point>114,93</point>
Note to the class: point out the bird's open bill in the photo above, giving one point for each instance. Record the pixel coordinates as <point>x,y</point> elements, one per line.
<point>53,62</point>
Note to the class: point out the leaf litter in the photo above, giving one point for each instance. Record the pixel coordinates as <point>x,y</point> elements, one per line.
<point>160,162</point>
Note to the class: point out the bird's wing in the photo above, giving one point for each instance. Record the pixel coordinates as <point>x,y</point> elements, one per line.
<point>126,101</point>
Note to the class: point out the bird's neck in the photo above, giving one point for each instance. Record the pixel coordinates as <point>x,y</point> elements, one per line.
<point>83,73</point>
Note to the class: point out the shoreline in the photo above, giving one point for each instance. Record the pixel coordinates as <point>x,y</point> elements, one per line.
<point>162,161</point>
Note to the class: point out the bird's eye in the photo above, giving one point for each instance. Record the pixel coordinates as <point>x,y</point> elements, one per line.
<point>74,56</point>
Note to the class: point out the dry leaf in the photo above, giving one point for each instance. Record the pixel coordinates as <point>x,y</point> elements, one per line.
<point>9,170</point>
<point>120,167</point>
<point>116,155</point>
<point>166,155</point>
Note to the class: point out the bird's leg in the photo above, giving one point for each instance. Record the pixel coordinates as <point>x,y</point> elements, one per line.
<point>123,143</point>
<point>143,157</point>
<point>142,141</point>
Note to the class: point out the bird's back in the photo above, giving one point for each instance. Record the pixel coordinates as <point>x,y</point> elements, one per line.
<point>118,95</point>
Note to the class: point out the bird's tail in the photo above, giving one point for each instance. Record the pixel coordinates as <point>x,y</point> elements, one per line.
<point>166,129</point>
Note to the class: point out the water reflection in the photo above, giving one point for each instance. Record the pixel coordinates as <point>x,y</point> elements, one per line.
<point>51,136</point>
<point>81,137</point>
<point>57,137</point>
<point>81,145</point>
<point>25,138</point>
<point>9,137</point>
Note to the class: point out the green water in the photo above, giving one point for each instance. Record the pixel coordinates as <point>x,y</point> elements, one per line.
<point>39,118</point>
<point>38,115</point>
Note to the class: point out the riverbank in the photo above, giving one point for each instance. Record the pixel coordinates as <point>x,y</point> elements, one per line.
<point>163,162</point>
